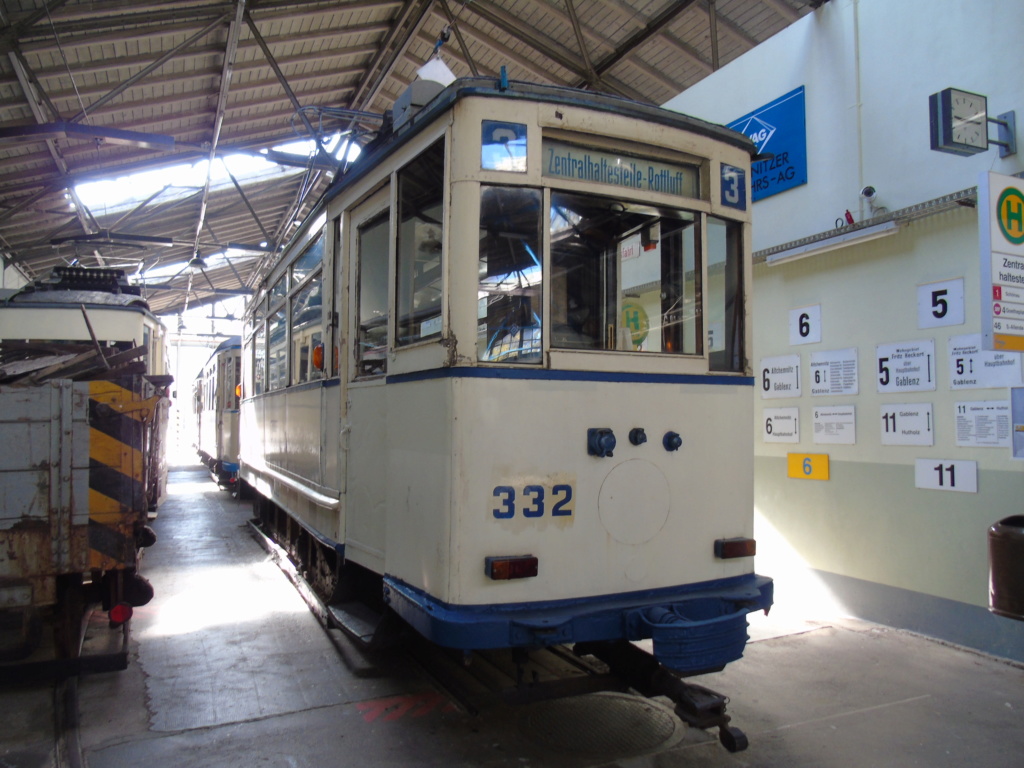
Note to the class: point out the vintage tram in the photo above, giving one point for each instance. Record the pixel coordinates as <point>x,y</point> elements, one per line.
<point>499,385</point>
<point>215,396</point>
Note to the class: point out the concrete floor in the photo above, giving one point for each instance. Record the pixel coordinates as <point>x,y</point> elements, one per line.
<point>229,668</point>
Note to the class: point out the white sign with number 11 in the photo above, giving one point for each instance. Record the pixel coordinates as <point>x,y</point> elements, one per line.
<point>946,475</point>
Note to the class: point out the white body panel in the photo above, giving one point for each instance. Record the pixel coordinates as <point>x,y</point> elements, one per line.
<point>442,472</point>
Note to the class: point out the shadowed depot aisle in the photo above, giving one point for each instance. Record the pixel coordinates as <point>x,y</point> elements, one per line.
<point>230,668</point>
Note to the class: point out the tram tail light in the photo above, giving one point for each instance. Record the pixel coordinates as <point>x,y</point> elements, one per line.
<point>727,549</point>
<point>510,567</point>
<point>120,613</point>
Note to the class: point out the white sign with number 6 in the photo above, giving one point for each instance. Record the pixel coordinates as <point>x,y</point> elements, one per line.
<point>805,325</point>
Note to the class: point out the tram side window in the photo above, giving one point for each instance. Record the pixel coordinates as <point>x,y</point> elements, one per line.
<point>277,350</point>
<point>371,350</point>
<point>623,276</point>
<point>256,353</point>
<point>259,366</point>
<point>309,261</point>
<point>308,331</point>
<point>420,235</point>
<point>725,296</point>
<point>510,289</point>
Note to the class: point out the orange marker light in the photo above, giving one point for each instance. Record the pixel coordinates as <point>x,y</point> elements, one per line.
<point>510,567</point>
<point>727,549</point>
<point>318,357</point>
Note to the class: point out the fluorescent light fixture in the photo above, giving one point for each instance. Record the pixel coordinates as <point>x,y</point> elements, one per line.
<point>831,243</point>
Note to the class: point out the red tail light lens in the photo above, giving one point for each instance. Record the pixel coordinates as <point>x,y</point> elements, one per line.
<point>510,567</point>
<point>120,613</point>
<point>726,549</point>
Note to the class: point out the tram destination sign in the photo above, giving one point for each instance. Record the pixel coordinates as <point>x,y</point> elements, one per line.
<point>570,161</point>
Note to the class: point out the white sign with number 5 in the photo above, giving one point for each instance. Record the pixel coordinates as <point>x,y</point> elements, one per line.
<point>940,303</point>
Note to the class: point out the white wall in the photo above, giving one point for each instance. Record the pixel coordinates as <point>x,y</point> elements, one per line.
<point>891,551</point>
<point>868,67</point>
<point>11,278</point>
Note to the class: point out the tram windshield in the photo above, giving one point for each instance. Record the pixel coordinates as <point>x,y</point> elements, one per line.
<point>624,276</point>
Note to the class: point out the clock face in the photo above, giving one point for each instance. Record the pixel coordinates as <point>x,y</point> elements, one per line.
<point>969,113</point>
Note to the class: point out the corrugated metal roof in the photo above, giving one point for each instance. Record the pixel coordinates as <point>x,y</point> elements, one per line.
<point>97,90</point>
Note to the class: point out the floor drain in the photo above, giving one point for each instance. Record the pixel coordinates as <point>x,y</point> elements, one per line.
<point>603,724</point>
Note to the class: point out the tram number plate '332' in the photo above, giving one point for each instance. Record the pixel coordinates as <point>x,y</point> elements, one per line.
<point>533,500</point>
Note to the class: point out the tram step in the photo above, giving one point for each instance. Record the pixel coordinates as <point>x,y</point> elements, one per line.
<point>356,618</point>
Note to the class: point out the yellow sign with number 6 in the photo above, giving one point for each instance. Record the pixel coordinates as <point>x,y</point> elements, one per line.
<point>807,466</point>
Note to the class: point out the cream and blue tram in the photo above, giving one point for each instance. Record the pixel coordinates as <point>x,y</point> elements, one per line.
<point>499,383</point>
<point>215,404</point>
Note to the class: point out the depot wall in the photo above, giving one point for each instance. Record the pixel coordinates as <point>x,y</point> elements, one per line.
<point>887,549</point>
<point>11,278</point>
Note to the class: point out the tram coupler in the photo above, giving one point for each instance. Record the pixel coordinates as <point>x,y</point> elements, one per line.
<point>696,705</point>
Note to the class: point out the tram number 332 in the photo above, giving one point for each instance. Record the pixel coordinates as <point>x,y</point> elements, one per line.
<point>533,501</point>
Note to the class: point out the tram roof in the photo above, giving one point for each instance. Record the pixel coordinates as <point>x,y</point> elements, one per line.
<point>95,90</point>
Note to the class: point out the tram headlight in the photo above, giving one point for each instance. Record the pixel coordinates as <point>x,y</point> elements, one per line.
<point>600,442</point>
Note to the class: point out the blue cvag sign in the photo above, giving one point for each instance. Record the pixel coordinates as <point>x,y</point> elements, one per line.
<point>778,128</point>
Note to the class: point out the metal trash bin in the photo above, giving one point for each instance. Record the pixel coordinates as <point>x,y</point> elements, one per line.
<point>1006,568</point>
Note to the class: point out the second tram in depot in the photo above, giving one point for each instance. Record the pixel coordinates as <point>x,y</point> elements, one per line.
<point>215,396</point>
<point>499,383</point>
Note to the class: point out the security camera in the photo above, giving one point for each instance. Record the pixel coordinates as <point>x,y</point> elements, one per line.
<point>868,193</point>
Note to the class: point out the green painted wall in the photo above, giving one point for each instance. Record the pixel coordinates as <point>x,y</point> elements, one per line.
<point>868,521</point>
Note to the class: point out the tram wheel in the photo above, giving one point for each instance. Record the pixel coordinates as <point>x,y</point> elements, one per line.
<point>323,573</point>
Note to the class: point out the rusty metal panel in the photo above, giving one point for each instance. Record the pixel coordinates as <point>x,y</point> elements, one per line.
<point>43,434</point>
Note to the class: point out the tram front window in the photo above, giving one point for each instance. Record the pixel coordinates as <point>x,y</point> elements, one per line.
<point>623,276</point>
<point>420,236</point>
<point>510,273</point>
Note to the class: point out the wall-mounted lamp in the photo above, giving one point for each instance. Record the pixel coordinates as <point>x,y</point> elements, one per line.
<point>831,243</point>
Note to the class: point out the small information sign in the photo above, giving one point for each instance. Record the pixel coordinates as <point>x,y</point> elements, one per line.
<point>781,425</point>
<point>906,366</point>
<point>834,372</point>
<point>983,424</point>
<point>907,424</point>
<point>835,425</point>
<point>1017,421</point>
<point>780,376</point>
<point>971,367</point>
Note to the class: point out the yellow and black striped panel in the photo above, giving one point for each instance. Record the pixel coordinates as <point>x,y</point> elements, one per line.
<point>119,418</point>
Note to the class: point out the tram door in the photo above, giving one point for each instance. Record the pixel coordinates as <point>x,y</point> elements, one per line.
<point>369,234</point>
